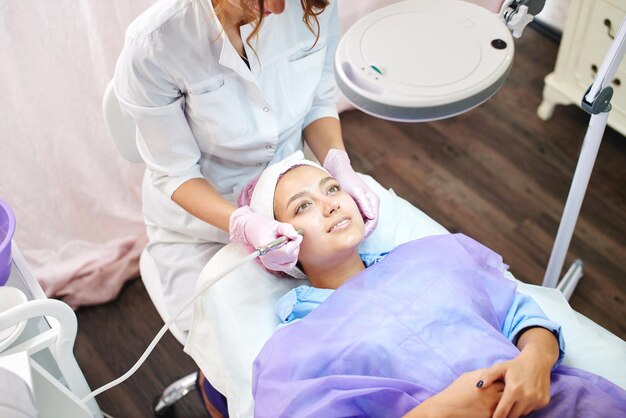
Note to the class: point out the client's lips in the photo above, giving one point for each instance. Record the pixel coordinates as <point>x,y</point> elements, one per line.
<point>340,223</point>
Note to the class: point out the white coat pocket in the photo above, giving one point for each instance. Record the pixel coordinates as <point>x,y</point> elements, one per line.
<point>301,75</point>
<point>216,115</point>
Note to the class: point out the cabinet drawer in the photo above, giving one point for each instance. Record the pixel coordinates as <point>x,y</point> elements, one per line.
<point>589,61</point>
<point>603,25</point>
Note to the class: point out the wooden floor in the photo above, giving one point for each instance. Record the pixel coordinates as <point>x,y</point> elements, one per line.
<point>497,174</point>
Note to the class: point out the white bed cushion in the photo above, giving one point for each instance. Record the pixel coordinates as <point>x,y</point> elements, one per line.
<point>588,346</point>
<point>236,316</point>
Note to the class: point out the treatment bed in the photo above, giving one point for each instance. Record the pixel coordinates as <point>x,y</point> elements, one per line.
<point>235,317</point>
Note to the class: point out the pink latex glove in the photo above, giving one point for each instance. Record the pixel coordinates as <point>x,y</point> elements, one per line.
<point>337,163</point>
<point>255,230</point>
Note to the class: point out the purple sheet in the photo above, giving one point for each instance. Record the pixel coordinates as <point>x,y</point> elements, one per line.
<point>403,330</point>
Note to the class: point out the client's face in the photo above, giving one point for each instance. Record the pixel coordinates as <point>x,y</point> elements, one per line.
<point>308,198</point>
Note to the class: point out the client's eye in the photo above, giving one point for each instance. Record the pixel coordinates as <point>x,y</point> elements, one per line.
<point>302,206</point>
<point>334,188</point>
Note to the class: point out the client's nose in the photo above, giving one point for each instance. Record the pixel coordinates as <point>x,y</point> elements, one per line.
<point>331,206</point>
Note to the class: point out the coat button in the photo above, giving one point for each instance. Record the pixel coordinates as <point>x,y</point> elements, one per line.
<point>266,109</point>
<point>268,147</point>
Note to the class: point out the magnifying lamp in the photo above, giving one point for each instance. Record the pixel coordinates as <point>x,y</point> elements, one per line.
<point>421,60</point>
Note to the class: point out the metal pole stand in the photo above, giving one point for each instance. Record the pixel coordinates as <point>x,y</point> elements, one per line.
<point>596,101</point>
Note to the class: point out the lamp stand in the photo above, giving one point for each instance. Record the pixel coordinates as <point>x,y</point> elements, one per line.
<point>596,101</point>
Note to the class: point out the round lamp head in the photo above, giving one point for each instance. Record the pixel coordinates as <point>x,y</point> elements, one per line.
<point>423,60</point>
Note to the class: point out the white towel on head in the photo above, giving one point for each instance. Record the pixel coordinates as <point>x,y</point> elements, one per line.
<point>262,199</point>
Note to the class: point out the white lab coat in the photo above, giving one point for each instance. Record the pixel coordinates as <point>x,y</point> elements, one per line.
<point>201,112</point>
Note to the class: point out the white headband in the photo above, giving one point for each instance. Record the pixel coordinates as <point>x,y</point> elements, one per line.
<point>262,199</point>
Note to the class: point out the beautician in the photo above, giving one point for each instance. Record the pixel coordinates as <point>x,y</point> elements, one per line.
<point>219,90</point>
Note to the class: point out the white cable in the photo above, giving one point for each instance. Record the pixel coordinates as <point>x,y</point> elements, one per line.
<point>165,327</point>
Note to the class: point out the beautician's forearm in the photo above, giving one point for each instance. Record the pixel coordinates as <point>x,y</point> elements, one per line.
<point>323,135</point>
<point>543,344</point>
<point>200,199</point>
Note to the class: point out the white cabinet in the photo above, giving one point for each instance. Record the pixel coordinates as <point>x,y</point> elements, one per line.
<point>589,31</point>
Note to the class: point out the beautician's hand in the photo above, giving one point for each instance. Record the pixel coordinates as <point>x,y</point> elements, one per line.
<point>255,230</point>
<point>526,383</point>
<point>337,163</point>
<point>461,399</point>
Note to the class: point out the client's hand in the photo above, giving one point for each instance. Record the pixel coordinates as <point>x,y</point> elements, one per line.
<point>255,230</point>
<point>461,399</point>
<point>526,384</point>
<point>337,163</point>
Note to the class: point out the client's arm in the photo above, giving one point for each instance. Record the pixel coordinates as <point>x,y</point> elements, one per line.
<point>527,377</point>
<point>461,399</point>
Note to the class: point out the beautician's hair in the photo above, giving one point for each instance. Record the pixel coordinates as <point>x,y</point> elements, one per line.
<point>312,9</point>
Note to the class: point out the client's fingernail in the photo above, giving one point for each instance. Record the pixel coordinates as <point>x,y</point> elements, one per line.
<point>480,384</point>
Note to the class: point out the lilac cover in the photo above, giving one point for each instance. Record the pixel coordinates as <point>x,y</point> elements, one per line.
<point>7,229</point>
<point>403,330</point>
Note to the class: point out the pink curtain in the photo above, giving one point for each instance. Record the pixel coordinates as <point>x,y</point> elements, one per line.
<point>77,202</point>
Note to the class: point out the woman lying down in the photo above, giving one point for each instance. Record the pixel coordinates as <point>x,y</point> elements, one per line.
<point>432,328</point>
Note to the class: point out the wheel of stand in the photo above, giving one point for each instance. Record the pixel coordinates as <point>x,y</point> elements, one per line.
<point>165,412</point>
